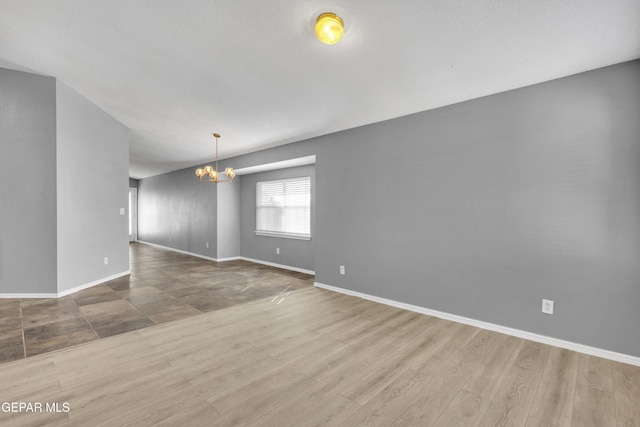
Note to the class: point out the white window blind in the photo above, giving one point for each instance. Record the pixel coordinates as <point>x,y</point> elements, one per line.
<point>283,207</point>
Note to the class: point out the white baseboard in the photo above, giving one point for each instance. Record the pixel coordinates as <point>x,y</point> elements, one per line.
<point>94,283</point>
<point>257,261</point>
<point>188,253</point>
<point>68,291</point>
<point>231,258</point>
<point>8,296</point>
<point>273,264</point>
<point>592,351</point>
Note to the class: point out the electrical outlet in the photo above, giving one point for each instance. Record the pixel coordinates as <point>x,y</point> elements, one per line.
<point>342,270</point>
<point>121,211</point>
<point>547,306</point>
<point>207,245</point>
<point>106,260</point>
<point>278,251</point>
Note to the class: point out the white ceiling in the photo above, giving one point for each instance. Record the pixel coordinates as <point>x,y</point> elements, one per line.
<point>176,71</point>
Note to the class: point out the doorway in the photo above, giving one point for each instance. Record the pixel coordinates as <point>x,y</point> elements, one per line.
<point>133,214</point>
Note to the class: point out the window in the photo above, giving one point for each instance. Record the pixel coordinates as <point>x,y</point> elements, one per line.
<point>283,208</point>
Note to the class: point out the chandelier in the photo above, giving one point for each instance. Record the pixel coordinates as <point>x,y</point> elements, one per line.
<point>213,173</point>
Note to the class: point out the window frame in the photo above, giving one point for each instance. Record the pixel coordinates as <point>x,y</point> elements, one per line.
<point>283,234</point>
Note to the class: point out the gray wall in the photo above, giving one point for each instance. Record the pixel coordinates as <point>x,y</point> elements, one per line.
<point>228,222</point>
<point>56,229</point>
<point>27,183</point>
<point>133,183</point>
<point>177,211</point>
<point>490,205</point>
<point>92,178</point>
<point>483,208</point>
<point>293,253</point>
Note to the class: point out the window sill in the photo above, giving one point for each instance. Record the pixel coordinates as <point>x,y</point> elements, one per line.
<point>284,235</point>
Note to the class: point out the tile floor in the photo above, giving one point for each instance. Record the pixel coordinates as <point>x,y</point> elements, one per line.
<point>163,286</point>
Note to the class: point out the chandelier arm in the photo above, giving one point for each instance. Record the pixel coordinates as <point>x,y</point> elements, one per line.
<point>220,181</point>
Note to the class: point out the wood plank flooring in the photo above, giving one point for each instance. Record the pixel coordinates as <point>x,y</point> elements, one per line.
<point>314,357</point>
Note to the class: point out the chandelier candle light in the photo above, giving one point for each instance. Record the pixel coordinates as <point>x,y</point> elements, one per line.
<point>213,173</point>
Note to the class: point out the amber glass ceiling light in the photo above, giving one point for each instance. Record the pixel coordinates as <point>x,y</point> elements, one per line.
<point>329,28</point>
<point>213,173</point>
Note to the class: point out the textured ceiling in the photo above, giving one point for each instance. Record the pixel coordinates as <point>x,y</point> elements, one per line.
<point>173,72</point>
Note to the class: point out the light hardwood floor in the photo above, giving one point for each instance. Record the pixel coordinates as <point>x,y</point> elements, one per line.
<point>314,357</point>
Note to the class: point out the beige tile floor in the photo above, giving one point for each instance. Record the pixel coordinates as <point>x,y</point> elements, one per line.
<point>163,286</point>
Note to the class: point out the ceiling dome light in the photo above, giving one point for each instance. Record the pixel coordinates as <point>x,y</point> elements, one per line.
<point>329,28</point>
